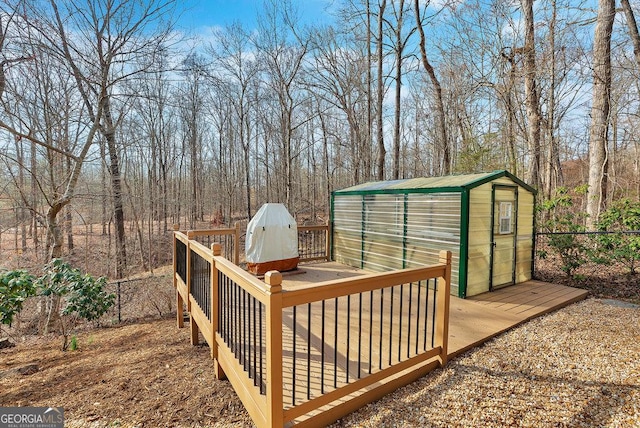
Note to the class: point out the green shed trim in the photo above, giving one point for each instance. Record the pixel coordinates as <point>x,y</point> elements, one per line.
<point>464,244</point>
<point>363,220</point>
<point>331,211</point>
<point>404,230</point>
<point>493,227</point>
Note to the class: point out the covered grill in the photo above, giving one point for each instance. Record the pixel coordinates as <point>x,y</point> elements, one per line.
<point>272,240</point>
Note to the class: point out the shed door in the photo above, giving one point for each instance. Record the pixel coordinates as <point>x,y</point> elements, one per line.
<point>503,230</point>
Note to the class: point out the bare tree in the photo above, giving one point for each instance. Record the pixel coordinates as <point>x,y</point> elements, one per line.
<point>598,131</point>
<point>337,77</point>
<point>400,43</point>
<point>192,107</point>
<point>42,109</point>
<point>283,52</point>
<point>235,75</point>
<point>441,124</point>
<point>382,152</point>
<point>531,95</point>
<point>99,41</point>
<point>632,27</point>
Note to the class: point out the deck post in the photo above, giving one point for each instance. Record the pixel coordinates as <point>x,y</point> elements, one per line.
<point>179,302</point>
<point>443,297</point>
<point>236,244</point>
<point>195,339</point>
<point>190,236</point>
<point>216,251</point>
<point>275,410</point>
<point>192,323</point>
<point>179,310</point>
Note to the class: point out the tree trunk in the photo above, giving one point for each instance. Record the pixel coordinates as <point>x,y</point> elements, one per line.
<point>396,121</point>
<point>367,155</point>
<point>68,223</point>
<point>509,55</point>
<point>531,96</point>
<point>598,131</point>
<point>382,152</point>
<point>54,233</point>
<point>553,170</point>
<point>633,29</point>
<point>441,124</point>
<point>116,187</point>
<point>244,135</point>
<point>34,198</point>
<point>103,186</point>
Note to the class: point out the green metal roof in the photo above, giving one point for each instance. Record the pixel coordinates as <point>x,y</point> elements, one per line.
<point>448,183</point>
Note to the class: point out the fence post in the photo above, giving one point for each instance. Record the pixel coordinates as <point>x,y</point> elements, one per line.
<point>236,244</point>
<point>443,296</point>
<point>119,304</point>
<point>179,301</point>
<point>216,250</point>
<point>275,417</point>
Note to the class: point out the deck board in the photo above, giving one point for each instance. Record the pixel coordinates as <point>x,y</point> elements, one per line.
<point>476,319</point>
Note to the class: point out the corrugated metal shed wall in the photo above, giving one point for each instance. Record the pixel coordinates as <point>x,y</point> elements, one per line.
<point>381,232</point>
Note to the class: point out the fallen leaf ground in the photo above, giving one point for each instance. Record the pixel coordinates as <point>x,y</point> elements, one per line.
<point>144,375</point>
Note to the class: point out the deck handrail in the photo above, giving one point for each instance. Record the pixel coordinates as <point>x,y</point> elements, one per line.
<point>249,321</point>
<point>218,234</point>
<point>314,243</point>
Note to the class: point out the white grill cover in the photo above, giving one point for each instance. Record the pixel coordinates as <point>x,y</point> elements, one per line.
<point>272,234</point>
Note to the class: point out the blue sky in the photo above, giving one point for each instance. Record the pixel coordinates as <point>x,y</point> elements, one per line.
<point>200,14</point>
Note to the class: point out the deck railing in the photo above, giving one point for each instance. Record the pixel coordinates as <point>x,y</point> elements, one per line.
<point>313,243</point>
<point>293,355</point>
<point>228,238</point>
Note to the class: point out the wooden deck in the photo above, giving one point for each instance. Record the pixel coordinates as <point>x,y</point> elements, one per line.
<point>474,320</point>
<point>477,319</point>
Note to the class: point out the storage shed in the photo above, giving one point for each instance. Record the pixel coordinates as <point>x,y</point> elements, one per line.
<point>486,220</point>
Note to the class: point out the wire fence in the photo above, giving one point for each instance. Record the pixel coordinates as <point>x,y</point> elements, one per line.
<point>580,253</point>
<point>141,298</point>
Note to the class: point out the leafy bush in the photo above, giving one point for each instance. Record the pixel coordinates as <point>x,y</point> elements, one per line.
<point>624,215</point>
<point>82,296</point>
<point>85,296</point>
<point>15,287</point>
<point>560,218</point>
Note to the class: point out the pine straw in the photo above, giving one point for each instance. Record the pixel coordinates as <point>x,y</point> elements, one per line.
<point>578,367</point>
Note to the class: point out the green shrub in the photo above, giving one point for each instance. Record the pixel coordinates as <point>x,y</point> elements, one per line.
<point>73,345</point>
<point>85,297</point>
<point>560,218</point>
<point>82,296</point>
<point>623,215</point>
<point>15,287</point>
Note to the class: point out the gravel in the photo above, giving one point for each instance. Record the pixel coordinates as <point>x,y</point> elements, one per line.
<point>577,367</point>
